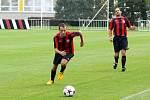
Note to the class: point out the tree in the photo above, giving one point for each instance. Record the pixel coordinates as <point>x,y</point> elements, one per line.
<point>133,9</point>
<point>71,9</point>
<point>75,9</point>
<point>143,10</point>
<point>148,7</point>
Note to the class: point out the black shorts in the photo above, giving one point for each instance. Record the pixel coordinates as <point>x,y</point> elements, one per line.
<point>58,58</point>
<point>120,42</point>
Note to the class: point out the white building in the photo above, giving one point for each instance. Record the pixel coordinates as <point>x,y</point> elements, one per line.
<point>26,8</point>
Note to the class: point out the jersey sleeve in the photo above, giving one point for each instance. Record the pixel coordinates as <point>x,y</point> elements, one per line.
<point>127,22</point>
<point>56,42</point>
<point>111,24</point>
<point>74,34</point>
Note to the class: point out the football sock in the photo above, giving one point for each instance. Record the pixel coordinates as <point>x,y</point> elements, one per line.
<point>116,59</point>
<point>62,68</point>
<point>53,73</point>
<point>123,61</point>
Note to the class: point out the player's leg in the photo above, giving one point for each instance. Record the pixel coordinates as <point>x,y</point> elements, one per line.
<point>116,57</point>
<point>56,61</point>
<point>63,63</point>
<point>123,52</point>
<point>123,60</point>
<point>116,44</point>
<point>53,74</point>
<point>63,67</point>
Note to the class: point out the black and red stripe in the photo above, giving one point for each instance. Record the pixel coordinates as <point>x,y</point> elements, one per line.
<point>8,24</point>
<point>65,43</point>
<point>21,24</point>
<point>55,42</point>
<point>118,25</point>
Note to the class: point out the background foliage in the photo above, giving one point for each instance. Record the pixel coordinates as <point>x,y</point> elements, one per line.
<point>84,9</point>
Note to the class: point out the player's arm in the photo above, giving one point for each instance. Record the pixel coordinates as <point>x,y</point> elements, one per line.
<point>110,35</point>
<point>63,53</point>
<point>81,37</point>
<point>110,30</point>
<point>131,27</point>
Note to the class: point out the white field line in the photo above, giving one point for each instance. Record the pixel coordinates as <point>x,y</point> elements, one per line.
<point>136,94</point>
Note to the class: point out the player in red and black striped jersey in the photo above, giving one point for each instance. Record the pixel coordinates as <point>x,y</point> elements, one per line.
<point>118,27</point>
<point>64,50</point>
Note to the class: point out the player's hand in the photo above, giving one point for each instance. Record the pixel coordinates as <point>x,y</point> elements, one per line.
<point>132,27</point>
<point>110,39</point>
<point>80,31</point>
<point>63,53</point>
<point>81,44</point>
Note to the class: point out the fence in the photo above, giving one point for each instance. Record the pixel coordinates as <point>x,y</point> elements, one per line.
<point>38,24</point>
<point>52,24</point>
<point>94,25</point>
<point>143,25</point>
<point>71,24</point>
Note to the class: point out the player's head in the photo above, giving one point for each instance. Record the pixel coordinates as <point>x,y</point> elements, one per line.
<point>62,28</point>
<point>118,11</point>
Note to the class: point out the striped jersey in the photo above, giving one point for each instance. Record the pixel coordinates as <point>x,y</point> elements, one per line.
<point>65,43</point>
<point>118,25</point>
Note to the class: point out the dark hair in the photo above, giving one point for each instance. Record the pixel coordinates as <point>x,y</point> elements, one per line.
<point>61,25</point>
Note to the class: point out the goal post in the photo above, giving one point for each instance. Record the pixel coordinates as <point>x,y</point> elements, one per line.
<point>97,24</point>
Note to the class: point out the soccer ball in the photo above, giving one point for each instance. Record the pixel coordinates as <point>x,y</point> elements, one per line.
<point>69,91</point>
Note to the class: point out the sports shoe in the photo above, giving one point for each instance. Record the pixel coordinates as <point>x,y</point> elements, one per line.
<point>115,65</point>
<point>60,76</point>
<point>123,69</point>
<point>50,82</point>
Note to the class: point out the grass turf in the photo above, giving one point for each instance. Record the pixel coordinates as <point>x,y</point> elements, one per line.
<point>26,58</point>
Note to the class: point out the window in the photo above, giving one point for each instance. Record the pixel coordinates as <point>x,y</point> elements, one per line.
<point>9,5</point>
<point>5,2</point>
<point>28,6</point>
<point>36,5</point>
<point>14,5</point>
<point>5,5</point>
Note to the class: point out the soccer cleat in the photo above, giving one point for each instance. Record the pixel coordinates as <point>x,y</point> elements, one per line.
<point>50,82</point>
<point>123,69</point>
<point>60,76</point>
<point>115,65</point>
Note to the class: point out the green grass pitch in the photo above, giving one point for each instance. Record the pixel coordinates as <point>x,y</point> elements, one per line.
<point>26,58</point>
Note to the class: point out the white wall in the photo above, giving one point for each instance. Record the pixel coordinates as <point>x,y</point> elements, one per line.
<point>16,15</point>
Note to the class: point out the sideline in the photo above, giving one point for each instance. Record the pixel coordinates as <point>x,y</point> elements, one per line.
<point>136,94</point>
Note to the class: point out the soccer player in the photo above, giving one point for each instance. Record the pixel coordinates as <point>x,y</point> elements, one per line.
<point>118,27</point>
<point>64,50</point>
